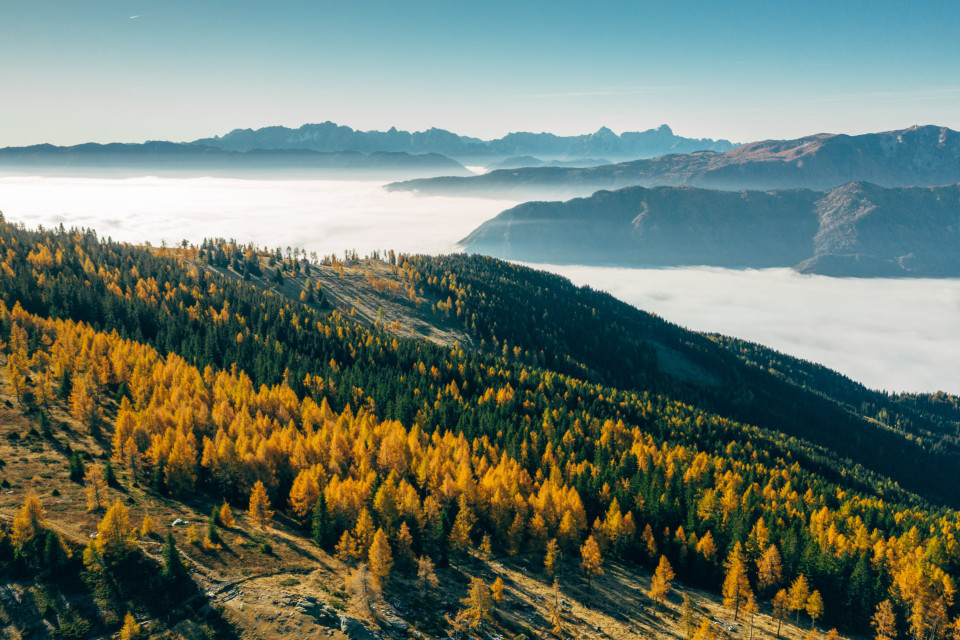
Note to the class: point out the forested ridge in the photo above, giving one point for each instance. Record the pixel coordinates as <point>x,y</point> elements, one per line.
<point>211,386</point>
<point>537,317</point>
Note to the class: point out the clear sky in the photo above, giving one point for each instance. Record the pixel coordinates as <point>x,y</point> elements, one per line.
<point>74,71</point>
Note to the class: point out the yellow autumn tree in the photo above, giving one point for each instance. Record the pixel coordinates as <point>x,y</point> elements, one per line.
<point>781,607</point>
<point>29,522</point>
<point>180,472</point>
<point>769,569</point>
<point>130,630</point>
<point>551,560</point>
<point>496,590</point>
<point>83,407</point>
<point>705,631</point>
<point>259,509</point>
<point>736,586</point>
<point>556,612</point>
<point>147,528</point>
<point>363,532</point>
<point>116,536</point>
<point>884,621</point>
<point>660,584</point>
<point>591,559</point>
<point>303,494</point>
<point>381,557</point>
<point>364,591</point>
<point>96,488</point>
<point>479,604</point>
<point>798,595</point>
<point>426,576</point>
<point>226,515</point>
<point>346,549</point>
<point>814,607</point>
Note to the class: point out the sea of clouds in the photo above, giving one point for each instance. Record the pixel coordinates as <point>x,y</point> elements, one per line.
<point>897,335</point>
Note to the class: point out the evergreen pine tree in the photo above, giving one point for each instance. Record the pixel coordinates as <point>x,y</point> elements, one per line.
<point>173,567</point>
<point>320,528</point>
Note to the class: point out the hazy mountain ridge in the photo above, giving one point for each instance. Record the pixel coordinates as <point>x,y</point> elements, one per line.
<point>858,229</point>
<point>162,154</point>
<point>927,156</point>
<point>328,136</point>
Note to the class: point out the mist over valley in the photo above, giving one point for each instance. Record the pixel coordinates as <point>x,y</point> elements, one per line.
<point>889,334</point>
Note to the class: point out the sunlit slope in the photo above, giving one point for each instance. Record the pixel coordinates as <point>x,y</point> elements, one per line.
<point>543,320</point>
<point>208,386</point>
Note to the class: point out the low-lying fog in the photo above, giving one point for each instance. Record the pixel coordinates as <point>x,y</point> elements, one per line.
<point>889,334</point>
<point>327,216</point>
<point>892,334</point>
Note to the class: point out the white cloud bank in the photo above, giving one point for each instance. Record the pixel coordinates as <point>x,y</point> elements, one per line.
<point>898,335</point>
<point>890,334</point>
<point>319,215</point>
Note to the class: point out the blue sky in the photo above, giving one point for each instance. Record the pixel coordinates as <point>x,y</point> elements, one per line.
<point>131,70</point>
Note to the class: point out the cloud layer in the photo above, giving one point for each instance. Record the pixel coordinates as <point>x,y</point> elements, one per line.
<point>898,335</point>
<point>889,334</point>
<point>319,215</point>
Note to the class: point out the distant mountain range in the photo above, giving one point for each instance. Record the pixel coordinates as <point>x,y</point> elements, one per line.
<point>516,162</point>
<point>927,155</point>
<point>329,136</point>
<point>171,156</point>
<point>858,229</point>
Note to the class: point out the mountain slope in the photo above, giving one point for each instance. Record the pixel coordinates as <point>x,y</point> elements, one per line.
<point>593,336</point>
<point>927,155</point>
<point>855,230</point>
<point>203,388</point>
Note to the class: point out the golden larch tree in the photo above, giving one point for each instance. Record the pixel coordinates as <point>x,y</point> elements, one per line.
<point>96,487</point>
<point>496,590</point>
<point>381,557</point>
<point>479,604</point>
<point>303,494</point>
<point>798,595</point>
<point>814,607</point>
<point>83,407</point>
<point>705,631</point>
<point>781,607</point>
<point>769,569</point>
<point>180,472</point>
<point>426,576</point>
<point>591,559</point>
<point>147,528</point>
<point>551,561</point>
<point>130,630</point>
<point>29,521</point>
<point>363,532</point>
<point>116,535</point>
<point>462,528</point>
<point>736,586</point>
<point>660,584</point>
<point>884,621</point>
<point>259,510</point>
<point>226,515</point>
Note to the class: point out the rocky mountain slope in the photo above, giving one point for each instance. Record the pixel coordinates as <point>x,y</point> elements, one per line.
<point>858,229</point>
<point>927,155</point>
